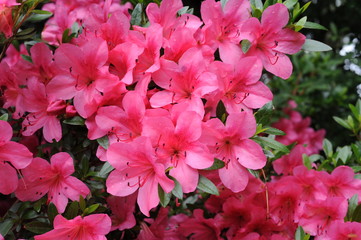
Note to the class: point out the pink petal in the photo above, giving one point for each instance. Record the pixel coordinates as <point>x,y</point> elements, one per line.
<point>161,99</point>
<point>133,105</point>
<point>229,52</point>
<point>242,123</point>
<point>275,17</point>
<point>38,169</point>
<point>16,153</point>
<point>259,95</point>
<point>31,191</point>
<point>186,176</point>
<point>63,163</point>
<point>56,196</point>
<point>100,223</point>
<point>289,41</point>
<point>73,188</point>
<point>61,87</point>
<point>250,154</point>
<point>41,54</point>
<point>148,196</point>
<point>199,157</point>
<point>120,185</point>
<point>52,129</point>
<point>189,126</point>
<point>234,176</point>
<point>279,65</point>
<point>95,53</point>
<point>8,179</point>
<point>6,131</point>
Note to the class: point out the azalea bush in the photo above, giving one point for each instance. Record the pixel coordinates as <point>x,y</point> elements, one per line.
<point>144,121</point>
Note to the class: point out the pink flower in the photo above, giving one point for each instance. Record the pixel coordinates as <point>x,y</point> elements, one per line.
<point>319,214</point>
<point>341,182</point>
<point>44,111</point>
<point>6,20</point>
<point>179,145</point>
<point>200,228</point>
<point>343,231</point>
<point>123,211</point>
<point>223,24</point>
<point>231,144</point>
<point>271,41</point>
<point>136,167</point>
<point>84,75</point>
<point>40,178</point>
<point>90,227</point>
<point>12,155</point>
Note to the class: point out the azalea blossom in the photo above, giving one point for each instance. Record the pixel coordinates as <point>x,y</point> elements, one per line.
<point>13,156</point>
<point>136,167</point>
<point>231,144</point>
<point>271,41</point>
<point>54,179</point>
<point>95,226</point>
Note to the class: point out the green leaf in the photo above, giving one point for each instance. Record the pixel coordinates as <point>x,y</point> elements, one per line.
<point>221,109</point>
<point>105,170</point>
<point>164,198</point>
<point>272,144</point>
<point>183,10</point>
<point>343,153</point>
<point>27,58</point>
<point>304,7</point>
<point>104,142</point>
<point>6,226</point>
<point>4,117</point>
<point>274,131</point>
<point>290,3</point>
<point>257,4</point>
<point>263,115</point>
<point>300,233</point>
<point>217,164</point>
<point>76,121</point>
<point>26,32</point>
<point>82,203</point>
<point>137,15</point>
<point>91,209</point>
<point>52,212</point>
<point>223,3</point>
<point>299,25</point>
<point>352,204</point>
<point>72,210</point>
<point>177,190</point>
<point>313,25</point>
<point>38,227</point>
<point>30,214</point>
<point>39,15</point>
<point>207,186</point>
<point>356,216</point>
<point>307,161</point>
<point>315,46</point>
<point>246,45</point>
<point>327,148</point>
<point>342,122</point>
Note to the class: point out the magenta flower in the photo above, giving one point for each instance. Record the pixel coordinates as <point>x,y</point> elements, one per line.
<point>12,155</point>
<point>40,178</point>
<point>90,227</point>
<point>136,167</point>
<point>271,41</point>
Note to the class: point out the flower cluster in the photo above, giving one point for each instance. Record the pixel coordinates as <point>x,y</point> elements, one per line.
<point>151,95</point>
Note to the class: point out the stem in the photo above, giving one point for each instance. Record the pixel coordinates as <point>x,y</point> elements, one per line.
<point>16,28</point>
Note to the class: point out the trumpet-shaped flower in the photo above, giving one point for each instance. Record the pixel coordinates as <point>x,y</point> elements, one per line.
<point>90,227</point>
<point>136,167</point>
<point>271,41</point>
<point>42,177</point>
<point>12,155</point>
